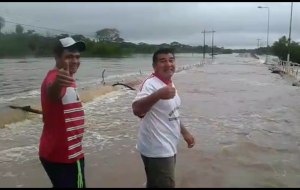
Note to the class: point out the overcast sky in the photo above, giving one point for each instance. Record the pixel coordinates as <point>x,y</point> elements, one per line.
<point>236,24</point>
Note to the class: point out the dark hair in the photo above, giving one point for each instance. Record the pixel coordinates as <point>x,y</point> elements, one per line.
<point>161,51</point>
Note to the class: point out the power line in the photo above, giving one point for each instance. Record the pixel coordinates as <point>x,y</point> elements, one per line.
<point>18,15</point>
<point>5,11</point>
<point>57,30</point>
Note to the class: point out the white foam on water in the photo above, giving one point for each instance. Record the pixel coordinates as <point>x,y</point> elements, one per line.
<point>109,98</point>
<point>92,137</point>
<point>36,93</point>
<point>18,154</point>
<point>15,126</point>
<point>117,77</point>
<point>30,94</point>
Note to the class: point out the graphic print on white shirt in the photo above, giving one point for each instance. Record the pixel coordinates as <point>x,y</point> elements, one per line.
<point>174,115</point>
<point>159,130</point>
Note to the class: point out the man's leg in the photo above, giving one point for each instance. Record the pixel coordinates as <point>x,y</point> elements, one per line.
<point>65,175</point>
<point>51,170</point>
<point>160,172</point>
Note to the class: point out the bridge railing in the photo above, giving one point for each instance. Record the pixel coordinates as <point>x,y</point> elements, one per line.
<point>292,69</point>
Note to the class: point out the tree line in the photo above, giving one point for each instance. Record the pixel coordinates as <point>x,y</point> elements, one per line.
<point>109,43</point>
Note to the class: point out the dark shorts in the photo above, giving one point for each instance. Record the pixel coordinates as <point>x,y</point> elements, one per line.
<point>160,172</point>
<point>65,175</point>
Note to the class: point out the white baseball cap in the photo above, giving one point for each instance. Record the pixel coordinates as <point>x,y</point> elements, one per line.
<point>69,42</point>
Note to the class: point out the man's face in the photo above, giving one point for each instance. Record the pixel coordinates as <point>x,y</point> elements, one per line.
<point>165,65</point>
<point>73,58</point>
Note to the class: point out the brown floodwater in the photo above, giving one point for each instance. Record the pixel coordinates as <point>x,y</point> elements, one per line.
<point>245,121</point>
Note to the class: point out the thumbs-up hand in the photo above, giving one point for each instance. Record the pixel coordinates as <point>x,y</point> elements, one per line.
<point>167,92</point>
<point>66,65</point>
<point>63,77</point>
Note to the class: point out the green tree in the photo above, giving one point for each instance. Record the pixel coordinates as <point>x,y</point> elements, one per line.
<point>19,29</point>
<point>30,32</point>
<point>107,35</point>
<point>280,49</point>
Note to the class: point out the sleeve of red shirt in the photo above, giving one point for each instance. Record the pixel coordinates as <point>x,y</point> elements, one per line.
<point>51,76</point>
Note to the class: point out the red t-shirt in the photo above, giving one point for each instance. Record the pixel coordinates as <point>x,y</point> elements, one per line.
<point>61,139</point>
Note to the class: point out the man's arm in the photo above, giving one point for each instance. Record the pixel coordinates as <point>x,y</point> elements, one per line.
<point>54,91</point>
<point>145,99</point>
<point>183,130</point>
<point>142,106</point>
<point>58,81</point>
<point>148,96</point>
<point>189,139</point>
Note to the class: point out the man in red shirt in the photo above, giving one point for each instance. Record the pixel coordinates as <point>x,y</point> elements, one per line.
<point>60,148</point>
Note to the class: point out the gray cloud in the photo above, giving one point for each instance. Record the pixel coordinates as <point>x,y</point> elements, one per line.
<point>237,24</point>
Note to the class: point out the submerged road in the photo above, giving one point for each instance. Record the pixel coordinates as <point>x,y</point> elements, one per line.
<point>245,120</point>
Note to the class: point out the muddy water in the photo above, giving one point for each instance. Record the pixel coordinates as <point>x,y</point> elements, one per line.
<point>247,125</point>
<point>20,79</point>
<point>245,121</point>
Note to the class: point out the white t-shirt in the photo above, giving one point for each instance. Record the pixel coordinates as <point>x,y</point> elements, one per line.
<point>159,130</point>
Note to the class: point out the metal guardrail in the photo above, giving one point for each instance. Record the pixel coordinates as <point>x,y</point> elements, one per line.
<point>290,69</point>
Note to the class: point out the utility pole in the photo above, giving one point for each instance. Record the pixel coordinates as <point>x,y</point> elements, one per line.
<point>212,44</point>
<point>204,32</point>
<point>268,31</point>
<point>289,40</point>
<point>258,44</point>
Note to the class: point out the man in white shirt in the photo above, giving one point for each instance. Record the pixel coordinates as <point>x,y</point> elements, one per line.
<point>157,104</point>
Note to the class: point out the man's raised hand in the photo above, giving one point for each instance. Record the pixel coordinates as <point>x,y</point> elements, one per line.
<point>167,92</point>
<point>63,77</point>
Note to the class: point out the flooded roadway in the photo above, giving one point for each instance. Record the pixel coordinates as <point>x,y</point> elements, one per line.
<point>245,120</point>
